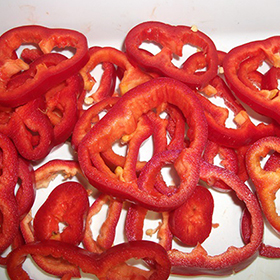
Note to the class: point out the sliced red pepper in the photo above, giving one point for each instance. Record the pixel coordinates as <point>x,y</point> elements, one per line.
<point>67,204</point>
<point>8,164</point>
<point>51,169</point>
<point>132,75</point>
<point>265,250</point>
<point>121,120</point>
<point>46,39</point>
<point>233,259</point>
<point>228,157</point>
<point>172,39</point>
<point>106,236</point>
<point>61,107</point>
<point>245,132</point>
<point>108,78</point>
<point>262,100</point>
<point>108,265</point>
<point>266,182</point>
<point>191,223</point>
<point>25,194</point>
<point>9,216</point>
<point>31,130</point>
<point>43,176</point>
<point>89,118</point>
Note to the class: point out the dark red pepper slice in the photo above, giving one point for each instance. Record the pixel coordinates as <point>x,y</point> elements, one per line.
<point>46,39</point>
<point>104,266</point>
<point>67,204</point>
<point>191,223</point>
<point>121,120</point>
<point>262,100</point>
<point>172,39</point>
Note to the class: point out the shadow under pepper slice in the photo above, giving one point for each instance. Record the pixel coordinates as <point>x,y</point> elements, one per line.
<point>46,39</point>
<point>121,120</point>
<point>172,39</point>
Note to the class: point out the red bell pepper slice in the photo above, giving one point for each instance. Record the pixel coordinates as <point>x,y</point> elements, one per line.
<point>61,107</point>
<point>89,118</point>
<point>121,120</point>
<point>234,259</point>
<point>261,100</point>
<point>67,204</point>
<point>191,223</point>
<point>43,176</point>
<point>107,84</point>
<point>265,250</point>
<point>46,39</point>
<point>229,160</point>
<point>245,132</point>
<point>172,39</point>
<point>132,75</point>
<point>31,130</point>
<point>9,216</point>
<point>108,265</point>
<point>25,194</point>
<point>106,236</point>
<point>266,182</point>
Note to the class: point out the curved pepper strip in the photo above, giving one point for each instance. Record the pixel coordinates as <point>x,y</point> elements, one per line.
<point>61,100</point>
<point>132,75</point>
<point>89,118</point>
<point>43,176</point>
<point>261,100</point>
<point>61,108</point>
<point>107,231</point>
<point>46,39</point>
<point>245,132</point>
<point>25,194</point>
<point>121,120</point>
<point>228,158</point>
<point>31,130</point>
<point>68,204</point>
<point>25,197</point>
<point>265,181</point>
<point>51,169</point>
<point>107,84</point>
<point>105,266</point>
<point>172,39</point>
<point>9,216</point>
<point>234,259</point>
<point>265,250</point>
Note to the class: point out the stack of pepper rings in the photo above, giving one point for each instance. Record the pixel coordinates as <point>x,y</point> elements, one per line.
<point>47,99</point>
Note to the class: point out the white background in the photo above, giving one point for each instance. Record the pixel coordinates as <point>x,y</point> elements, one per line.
<point>105,23</point>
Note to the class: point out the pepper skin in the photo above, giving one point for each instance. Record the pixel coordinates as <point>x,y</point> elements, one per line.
<point>9,214</point>
<point>46,39</point>
<point>261,100</point>
<point>191,223</point>
<point>68,204</point>
<point>266,182</point>
<point>108,265</point>
<point>172,39</point>
<point>121,120</point>
<point>234,259</point>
